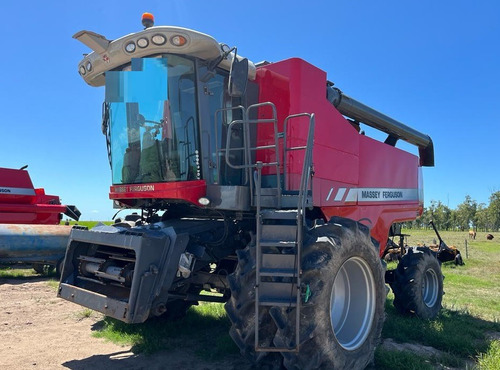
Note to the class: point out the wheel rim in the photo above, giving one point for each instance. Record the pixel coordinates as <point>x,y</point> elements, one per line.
<point>430,288</point>
<point>352,303</point>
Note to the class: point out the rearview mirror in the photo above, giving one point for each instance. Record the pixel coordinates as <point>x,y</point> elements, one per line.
<point>238,77</point>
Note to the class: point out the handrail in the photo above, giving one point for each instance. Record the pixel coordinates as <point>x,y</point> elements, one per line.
<point>245,122</point>
<point>307,165</point>
<point>307,169</point>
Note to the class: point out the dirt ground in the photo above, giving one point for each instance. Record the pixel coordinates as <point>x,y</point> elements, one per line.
<point>40,331</point>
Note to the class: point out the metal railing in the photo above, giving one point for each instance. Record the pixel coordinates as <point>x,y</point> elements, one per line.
<point>307,167</point>
<point>248,149</point>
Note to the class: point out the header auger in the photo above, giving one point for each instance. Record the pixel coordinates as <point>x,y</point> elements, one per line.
<point>255,182</point>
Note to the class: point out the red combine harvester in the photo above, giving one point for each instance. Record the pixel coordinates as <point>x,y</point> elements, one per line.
<point>28,219</point>
<point>256,182</point>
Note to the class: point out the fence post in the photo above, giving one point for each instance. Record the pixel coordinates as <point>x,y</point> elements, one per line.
<point>466,250</point>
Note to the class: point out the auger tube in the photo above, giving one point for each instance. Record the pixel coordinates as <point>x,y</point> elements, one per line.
<point>362,113</point>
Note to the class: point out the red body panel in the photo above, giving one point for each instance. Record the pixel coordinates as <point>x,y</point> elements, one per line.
<point>189,191</point>
<point>355,176</point>
<point>21,203</point>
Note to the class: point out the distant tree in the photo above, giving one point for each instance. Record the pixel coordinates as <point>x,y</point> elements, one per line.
<point>453,219</point>
<point>466,213</point>
<point>494,210</point>
<point>482,218</point>
<point>423,220</point>
<point>440,214</point>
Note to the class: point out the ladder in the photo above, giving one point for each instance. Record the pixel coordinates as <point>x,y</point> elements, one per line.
<point>280,223</point>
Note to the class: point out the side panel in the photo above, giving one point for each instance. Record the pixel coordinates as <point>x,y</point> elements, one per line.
<point>16,186</point>
<point>355,176</point>
<point>296,86</point>
<point>21,203</point>
<point>387,192</point>
<point>189,191</point>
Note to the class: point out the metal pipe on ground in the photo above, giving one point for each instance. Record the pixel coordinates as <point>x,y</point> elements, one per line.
<point>28,243</point>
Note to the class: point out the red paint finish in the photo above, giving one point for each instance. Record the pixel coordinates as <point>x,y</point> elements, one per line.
<point>189,191</point>
<point>343,159</point>
<point>21,203</point>
<point>350,168</point>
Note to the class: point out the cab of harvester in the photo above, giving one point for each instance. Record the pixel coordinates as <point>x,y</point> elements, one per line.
<point>165,115</point>
<point>257,183</point>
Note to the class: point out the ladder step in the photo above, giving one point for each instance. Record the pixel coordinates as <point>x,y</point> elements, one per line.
<point>278,272</point>
<point>278,302</point>
<point>279,232</point>
<point>271,291</point>
<point>268,191</point>
<point>278,262</point>
<point>276,349</point>
<point>275,214</point>
<point>292,201</point>
<point>277,243</point>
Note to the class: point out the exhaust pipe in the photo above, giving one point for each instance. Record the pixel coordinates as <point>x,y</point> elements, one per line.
<point>396,130</point>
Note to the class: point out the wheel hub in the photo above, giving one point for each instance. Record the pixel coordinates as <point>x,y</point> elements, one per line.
<point>430,288</point>
<point>352,303</point>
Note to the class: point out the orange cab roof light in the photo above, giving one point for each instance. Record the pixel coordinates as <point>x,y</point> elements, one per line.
<point>148,20</point>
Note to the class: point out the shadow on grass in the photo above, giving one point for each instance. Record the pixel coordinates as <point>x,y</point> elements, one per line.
<point>461,336</point>
<point>205,333</point>
<point>19,274</point>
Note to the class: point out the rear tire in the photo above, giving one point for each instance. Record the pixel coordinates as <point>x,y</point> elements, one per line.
<point>418,285</point>
<point>342,320</point>
<point>241,311</point>
<point>59,267</point>
<point>42,269</point>
<point>177,309</point>
<point>39,268</point>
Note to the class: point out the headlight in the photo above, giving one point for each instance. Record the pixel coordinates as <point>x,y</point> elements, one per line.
<point>88,66</point>
<point>142,42</point>
<point>158,39</point>
<point>204,201</point>
<point>82,70</point>
<point>130,47</point>
<point>178,40</point>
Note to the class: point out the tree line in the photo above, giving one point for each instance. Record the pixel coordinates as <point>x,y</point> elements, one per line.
<point>468,215</point>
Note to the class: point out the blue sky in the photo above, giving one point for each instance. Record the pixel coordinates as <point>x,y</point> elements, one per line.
<point>434,65</point>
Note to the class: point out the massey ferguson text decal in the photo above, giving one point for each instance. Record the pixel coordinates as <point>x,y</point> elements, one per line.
<point>17,191</point>
<point>373,195</point>
<point>132,188</point>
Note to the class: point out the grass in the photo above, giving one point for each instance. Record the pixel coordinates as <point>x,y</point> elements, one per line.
<point>205,329</point>
<point>475,287</point>
<point>461,331</point>
<point>89,224</point>
<point>471,306</point>
<point>400,360</point>
<point>17,272</point>
<point>85,314</point>
<point>457,334</point>
<point>491,359</point>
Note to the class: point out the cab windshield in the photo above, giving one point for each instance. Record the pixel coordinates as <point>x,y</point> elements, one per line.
<point>153,124</point>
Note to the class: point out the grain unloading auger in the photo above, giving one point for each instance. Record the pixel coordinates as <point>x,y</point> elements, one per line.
<point>29,222</point>
<point>255,183</point>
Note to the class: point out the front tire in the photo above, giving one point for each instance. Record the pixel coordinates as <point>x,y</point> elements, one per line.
<point>418,285</point>
<point>342,320</point>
